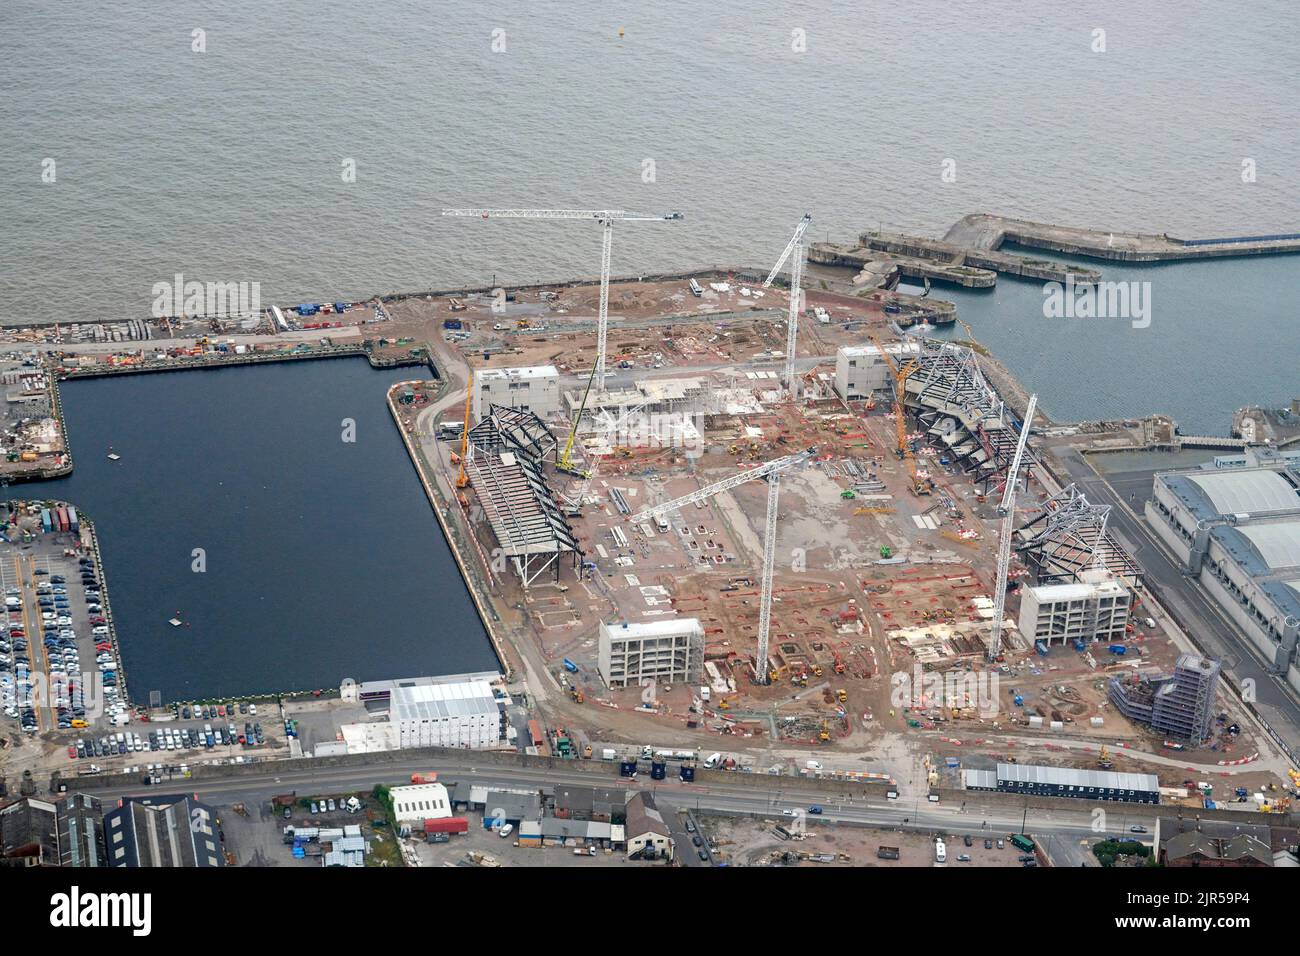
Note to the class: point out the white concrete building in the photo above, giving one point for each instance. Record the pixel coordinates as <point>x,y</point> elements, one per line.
<point>861,370</point>
<point>1096,609</point>
<point>450,714</point>
<point>671,652</point>
<point>535,388</point>
<point>420,802</point>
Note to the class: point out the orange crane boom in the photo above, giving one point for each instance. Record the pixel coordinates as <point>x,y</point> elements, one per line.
<point>920,486</point>
<point>462,479</point>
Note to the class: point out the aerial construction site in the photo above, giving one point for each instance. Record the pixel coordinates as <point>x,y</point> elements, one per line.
<point>699,511</point>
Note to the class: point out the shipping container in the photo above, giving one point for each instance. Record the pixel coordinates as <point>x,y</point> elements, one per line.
<point>74,523</point>
<point>447,825</point>
<point>62,514</point>
<point>46,522</point>
<point>535,733</point>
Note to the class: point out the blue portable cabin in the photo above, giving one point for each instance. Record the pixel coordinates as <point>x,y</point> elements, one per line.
<point>74,524</point>
<point>47,523</point>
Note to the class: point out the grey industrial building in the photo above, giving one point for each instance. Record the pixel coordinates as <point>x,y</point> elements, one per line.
<point>1180,704</point>
<point>1235,525</point>
<point>66,832</point>
<point>1081,784</point>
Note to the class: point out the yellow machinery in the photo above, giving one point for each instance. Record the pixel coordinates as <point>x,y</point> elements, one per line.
<point>824,734</point>
<point>566,459</point>
<point>462,479</point>
<point>920,486</point>
<point>954,536</point>
<point>1103,758</point>
<point>843,695</point>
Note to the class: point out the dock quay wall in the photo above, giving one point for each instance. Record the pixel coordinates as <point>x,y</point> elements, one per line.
<point>468,572</point>
<point>100,369</point>
<point>735,273</point>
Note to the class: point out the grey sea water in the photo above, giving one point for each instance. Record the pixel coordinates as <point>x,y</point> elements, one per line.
<point>227,163</point>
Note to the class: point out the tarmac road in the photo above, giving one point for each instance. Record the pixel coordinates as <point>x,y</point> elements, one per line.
<point>1050,826</point>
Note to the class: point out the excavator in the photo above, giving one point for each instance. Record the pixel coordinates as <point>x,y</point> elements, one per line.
<point>921,484</point>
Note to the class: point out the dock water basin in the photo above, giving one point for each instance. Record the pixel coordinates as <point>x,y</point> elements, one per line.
<point>355,581</point>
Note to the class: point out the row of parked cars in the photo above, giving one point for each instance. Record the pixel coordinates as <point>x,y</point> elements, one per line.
<point>66,690</point>
<point>166,738</point>
<point>213,711</point>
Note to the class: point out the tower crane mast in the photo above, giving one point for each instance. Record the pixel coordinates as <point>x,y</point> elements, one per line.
<point>772,472</point>
<point>793,247</point>
<point>1007,508</point>
<point>606,218</point>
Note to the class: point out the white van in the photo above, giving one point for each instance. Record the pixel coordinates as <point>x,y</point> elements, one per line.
<point>712,760</point>
<point>940,852</point>
<point>506,830</point>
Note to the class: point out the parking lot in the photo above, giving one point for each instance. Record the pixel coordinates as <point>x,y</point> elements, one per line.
<point>58,662</point>
<point>212,732</point>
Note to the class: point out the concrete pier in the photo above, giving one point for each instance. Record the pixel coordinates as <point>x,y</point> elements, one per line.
<point>988,232</point>
<point>960,258</point>
<point>911,266</point>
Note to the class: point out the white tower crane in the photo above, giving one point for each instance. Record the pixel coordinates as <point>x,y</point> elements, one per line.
<point>772,471</point>
<point>1007,508</point>
<point>795,247</point>
<point>606,218</point>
